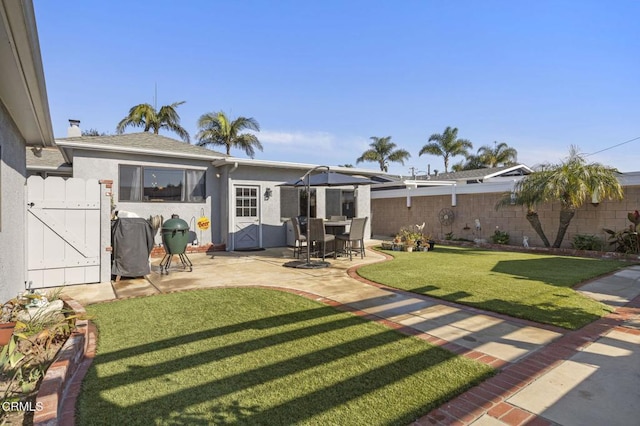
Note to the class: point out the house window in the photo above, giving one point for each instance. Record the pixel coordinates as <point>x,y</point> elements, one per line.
<point>289,204</point>
<point>340,202</point>
<point>161,184</point>
<point>293,202</point>
<point>246,202</point>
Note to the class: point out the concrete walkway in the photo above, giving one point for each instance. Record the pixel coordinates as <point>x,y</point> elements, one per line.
<point>547,375</point>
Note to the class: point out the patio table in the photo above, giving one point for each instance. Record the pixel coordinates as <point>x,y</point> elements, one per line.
<point>336,227</point>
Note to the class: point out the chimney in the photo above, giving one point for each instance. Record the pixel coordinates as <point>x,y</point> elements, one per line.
<point>74,129</point>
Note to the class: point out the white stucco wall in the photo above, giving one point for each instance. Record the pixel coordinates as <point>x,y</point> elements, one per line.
<point>12,208</point>
<point>101,165</point>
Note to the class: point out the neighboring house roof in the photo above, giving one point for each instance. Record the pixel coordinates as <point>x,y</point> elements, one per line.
<point>454,178</point>
<point>480,174</point>
<point>47,160</point>
<point>22,86</point>
<point>137,143</point>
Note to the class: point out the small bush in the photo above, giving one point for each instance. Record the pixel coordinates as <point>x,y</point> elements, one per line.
<point>587,242</point>
<point>626,241</point>
<point>500,237</point>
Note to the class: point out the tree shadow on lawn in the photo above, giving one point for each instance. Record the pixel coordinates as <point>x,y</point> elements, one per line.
<point>544,313</point>
<point>556,271</point>
<point>178,407</point>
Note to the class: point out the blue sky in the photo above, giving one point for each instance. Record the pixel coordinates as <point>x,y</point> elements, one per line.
<point>323,77</point>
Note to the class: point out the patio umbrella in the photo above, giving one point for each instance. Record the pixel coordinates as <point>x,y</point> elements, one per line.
<point>325,178</point>
<point>328,178</point>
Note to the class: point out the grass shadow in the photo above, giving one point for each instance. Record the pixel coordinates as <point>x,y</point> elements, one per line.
<point>556,271</point>
<point>304,366</point>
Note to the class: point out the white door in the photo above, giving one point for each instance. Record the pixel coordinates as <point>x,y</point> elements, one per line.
<point>63,231</point>
<point>246,232</point>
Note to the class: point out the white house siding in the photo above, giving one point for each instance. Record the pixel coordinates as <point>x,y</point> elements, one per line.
<point>273,228</point>
<point>103,165</point>
<point>13,173</point>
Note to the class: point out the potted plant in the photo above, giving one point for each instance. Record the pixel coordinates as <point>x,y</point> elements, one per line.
<point>7,321</point>
<point>409,238</point>
<point>409,244</point>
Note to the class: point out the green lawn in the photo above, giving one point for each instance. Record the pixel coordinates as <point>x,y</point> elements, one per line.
<point>525,285</point>
<point>256,356</point>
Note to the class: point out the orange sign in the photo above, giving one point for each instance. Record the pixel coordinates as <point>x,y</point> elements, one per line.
<point>203,223</point>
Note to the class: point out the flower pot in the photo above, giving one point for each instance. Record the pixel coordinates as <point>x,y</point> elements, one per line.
<point>6,331</point>
<point>408,245</point>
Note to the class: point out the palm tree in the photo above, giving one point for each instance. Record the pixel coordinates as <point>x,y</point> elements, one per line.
<point>571,183</point>
<point>145,115</point>
<point>383,151</point>
<point>501,153</point>
<point>473,162</point>
<point>217,129</point>
<point>447,145</point>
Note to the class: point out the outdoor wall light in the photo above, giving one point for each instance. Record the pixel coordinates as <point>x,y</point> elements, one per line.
<point>267,193</point>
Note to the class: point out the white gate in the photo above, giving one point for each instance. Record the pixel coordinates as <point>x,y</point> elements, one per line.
<point>63,231</point>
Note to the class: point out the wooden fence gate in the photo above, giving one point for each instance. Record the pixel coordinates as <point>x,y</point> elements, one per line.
<point>63,231</point>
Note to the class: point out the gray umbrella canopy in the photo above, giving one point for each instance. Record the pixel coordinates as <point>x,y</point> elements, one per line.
<point>324,178</point>
<point>328,179</point>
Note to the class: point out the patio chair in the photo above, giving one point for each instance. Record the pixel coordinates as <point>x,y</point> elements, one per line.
<point>320,238</point>
<point>300,239</point>
<point>355,235</point>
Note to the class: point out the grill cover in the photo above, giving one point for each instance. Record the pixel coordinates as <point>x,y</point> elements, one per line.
<point>132,242</point>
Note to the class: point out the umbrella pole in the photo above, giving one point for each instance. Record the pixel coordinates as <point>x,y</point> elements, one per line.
<point>308,215</point>
<point>308,187</point>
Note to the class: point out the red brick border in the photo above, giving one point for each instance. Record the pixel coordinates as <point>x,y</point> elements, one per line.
<point>158,251</point>
<point>61,384</point>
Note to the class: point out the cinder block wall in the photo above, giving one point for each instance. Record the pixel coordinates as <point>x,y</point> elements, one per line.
<point>389,215</point>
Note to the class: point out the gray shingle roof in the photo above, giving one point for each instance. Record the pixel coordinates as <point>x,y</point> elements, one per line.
<point>49,159</point>
<point>145,142</point>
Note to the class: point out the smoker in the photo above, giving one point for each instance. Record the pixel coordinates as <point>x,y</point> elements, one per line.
<point>175,237</point>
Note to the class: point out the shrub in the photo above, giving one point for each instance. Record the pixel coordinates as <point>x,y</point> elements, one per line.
<point>626,241</point>
<point>587,242</point>
<point>500,237</point>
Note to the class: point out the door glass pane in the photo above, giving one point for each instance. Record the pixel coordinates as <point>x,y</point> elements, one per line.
<point>246,202</point>
<point>303,202</point>
<point>332,201</point>
<point>288,202</point>
<point>348,204</point>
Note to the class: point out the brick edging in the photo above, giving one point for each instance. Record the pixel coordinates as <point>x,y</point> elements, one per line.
<point>66,372</point>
